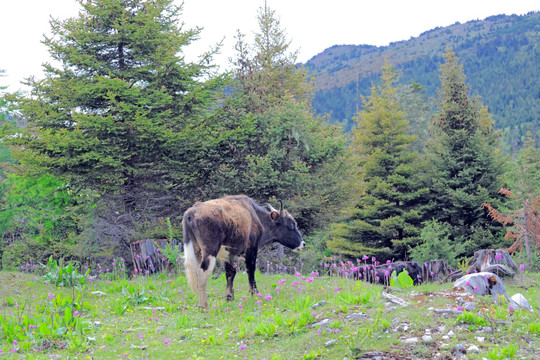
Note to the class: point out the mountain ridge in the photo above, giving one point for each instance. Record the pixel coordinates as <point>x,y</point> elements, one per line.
<point>500,56</point>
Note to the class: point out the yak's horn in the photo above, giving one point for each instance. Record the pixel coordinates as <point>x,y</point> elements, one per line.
<point>270,207</point>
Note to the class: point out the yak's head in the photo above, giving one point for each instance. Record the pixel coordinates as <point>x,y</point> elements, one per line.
<point>285,230</point>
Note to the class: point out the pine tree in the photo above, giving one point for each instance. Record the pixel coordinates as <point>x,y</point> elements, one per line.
<point>465,161</point>
<point>386,220</point>
<point>292,154</point>
<point>124,114</point>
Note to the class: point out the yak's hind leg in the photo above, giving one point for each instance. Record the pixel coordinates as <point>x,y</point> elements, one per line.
<point>230,272</point>
<point>207,266</point>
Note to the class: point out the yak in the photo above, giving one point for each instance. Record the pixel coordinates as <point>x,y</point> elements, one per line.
<point>229,227</point>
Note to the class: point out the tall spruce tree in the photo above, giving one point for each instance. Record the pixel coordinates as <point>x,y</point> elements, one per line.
<point>291,154</point>
<point>387,217</point>
<point>124,116</point>
<point>465,161</point>
<point>124,113</point>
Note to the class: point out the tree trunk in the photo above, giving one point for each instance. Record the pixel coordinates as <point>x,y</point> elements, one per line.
<point>496,261</point>
<point>147,257</point>
<point>526,230</point>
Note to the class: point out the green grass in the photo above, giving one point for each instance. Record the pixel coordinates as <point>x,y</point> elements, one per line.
<point>157,318</point>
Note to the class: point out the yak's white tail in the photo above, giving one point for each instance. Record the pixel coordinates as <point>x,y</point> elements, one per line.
<point>192,265</point>
<point>197,277</point>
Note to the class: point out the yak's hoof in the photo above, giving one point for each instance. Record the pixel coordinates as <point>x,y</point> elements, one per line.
<point>229,298</point>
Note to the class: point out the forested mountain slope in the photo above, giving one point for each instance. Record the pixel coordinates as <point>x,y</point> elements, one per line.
<point>500,56</point>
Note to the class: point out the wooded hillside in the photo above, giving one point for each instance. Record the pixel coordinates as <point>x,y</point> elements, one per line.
<point>500,56</point>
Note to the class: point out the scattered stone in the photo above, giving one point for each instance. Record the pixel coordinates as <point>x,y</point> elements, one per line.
<point>459,350</point>
<point>160,329</point>
<point>473,349</point>
<point>487,329</point>
<point>330,343</point>
<point>442,328</point>
<point>378,355</point>
<point>322,323</point>
<point>445,337</point>
<point>98,293</point>
<point>97,323</point>
<point>402,327</point>
<point>428,331</point>
<point>412,340</point>
<point>320,303</point>
<point>427,338</point>
<point>469,306</point>
<point>451,333</point>
<point>480,339</point>
<point>395,299</point>
<point>446,311</point>
<point>357,316</point>
<point>521,301</point>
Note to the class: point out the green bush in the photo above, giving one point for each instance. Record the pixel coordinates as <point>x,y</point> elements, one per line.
<point>436,244</point>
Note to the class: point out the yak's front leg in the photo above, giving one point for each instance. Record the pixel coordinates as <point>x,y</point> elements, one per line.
<point>251,260</point>
<point>230,273</point>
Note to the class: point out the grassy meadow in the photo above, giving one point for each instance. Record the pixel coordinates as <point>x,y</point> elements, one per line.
<point>296,316</point>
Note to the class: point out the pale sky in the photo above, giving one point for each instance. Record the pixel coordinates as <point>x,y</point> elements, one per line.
<point>311,25</point>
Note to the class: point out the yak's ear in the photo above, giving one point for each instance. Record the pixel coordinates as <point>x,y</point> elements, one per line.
<point>274,214</point>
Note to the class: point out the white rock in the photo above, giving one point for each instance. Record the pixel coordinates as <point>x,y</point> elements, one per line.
<point>322,323</point>
<point>330,343</point>
<point>480,339</point>
<point>473,349</point>
<point>521,301</point>
<point>413,340</point>
<point>445,337</point>
<point>451,333</point>
<point>442,328</point>
<point>469,306</point>
<point>427,338</point>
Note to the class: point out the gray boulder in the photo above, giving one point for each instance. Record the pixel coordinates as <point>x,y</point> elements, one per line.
<point>482,284</point>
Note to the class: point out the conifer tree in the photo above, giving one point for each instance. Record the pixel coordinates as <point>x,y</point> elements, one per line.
<point>291,154</point>
<point>124,114</point>
<point>465,161</point>
<point>521,214</point>
<point>387,217</point>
